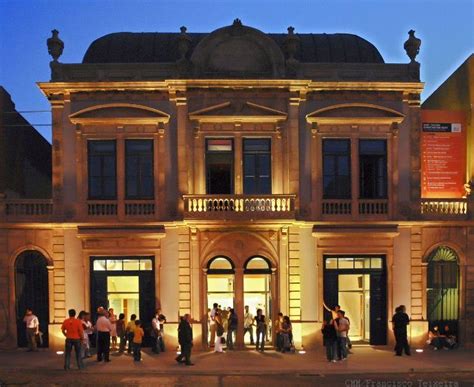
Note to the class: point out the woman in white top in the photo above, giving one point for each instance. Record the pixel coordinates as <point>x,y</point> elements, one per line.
<point>113,332</point>
<point>219,332</point>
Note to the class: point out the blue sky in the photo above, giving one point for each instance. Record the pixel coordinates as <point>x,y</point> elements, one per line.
<point>444,26</point>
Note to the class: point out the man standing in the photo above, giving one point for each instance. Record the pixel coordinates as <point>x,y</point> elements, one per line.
<point>261,329</point>
<point>32,329</point>
<point>162,320</point>
<point>342,327</point>
<point>185,338</point>
<point>212,324</point>
<point>104,327</point>
<point>278,327</point>
<point>248,324</point>
<point>73,331</point>
<point>231,328</point>
<point>400,320</point>
<point>156,332</point>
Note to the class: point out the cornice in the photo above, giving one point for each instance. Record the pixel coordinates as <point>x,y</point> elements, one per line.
<point>53,88</point>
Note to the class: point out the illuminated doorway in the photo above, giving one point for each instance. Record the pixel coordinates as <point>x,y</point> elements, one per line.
<point>358,283</point>
<point>354,299</point>
<point>257,291</point>
<point>126,284</point>
<point>220,286</point>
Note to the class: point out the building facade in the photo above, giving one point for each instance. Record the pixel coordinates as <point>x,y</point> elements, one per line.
<point>278,171</point>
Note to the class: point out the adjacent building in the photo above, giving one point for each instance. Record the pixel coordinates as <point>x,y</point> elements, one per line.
<point>278,171</point>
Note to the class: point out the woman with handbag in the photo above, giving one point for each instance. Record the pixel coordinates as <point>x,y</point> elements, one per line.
<point>220,341</point>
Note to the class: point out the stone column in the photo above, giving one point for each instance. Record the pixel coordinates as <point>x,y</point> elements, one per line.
<point>239,306</point>
<point>57,106</point>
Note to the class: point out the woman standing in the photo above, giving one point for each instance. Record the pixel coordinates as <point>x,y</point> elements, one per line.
<point>219,332</point>
<point>113,332</point>
<point>121,332</point>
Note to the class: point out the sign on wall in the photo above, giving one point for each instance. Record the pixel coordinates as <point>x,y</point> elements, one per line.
<point>443,154</point>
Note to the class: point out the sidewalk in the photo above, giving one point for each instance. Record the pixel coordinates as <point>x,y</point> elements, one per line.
<point>364,360</point>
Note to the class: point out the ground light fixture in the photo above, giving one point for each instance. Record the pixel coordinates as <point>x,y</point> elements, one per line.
<point>302,351</point>
<point>419,350</point>
<point>59,352</point>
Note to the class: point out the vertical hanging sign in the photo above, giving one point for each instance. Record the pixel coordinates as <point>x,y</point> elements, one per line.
<point>443,154</point>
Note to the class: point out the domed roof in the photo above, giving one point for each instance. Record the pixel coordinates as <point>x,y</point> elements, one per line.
<point>158,47</point>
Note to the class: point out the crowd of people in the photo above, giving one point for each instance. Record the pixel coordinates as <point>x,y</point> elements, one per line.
<point>223,324</point>
<point>112,333</point>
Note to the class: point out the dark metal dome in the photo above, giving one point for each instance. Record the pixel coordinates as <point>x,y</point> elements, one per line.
<point>150,47</point>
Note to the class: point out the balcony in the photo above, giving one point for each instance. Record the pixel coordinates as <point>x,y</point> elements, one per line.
<point>28,210</point>
<point>239,207</point>
<point>126,210</point>
<point>344,209</point>
<point>444,209</point>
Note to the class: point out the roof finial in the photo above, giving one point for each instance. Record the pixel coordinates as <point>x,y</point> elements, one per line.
<point>237,22</point>
<point>412,46</point>
<point>55,45</point>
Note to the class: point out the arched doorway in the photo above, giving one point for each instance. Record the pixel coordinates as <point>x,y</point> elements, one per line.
<point>443,288</point>
<point>220,288</point>
<point>31,291</point>
<point>257,290</point>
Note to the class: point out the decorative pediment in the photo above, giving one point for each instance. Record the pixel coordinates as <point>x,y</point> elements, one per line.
<point>237,111</point>
<point>119,114</point>
<point>355,114</point>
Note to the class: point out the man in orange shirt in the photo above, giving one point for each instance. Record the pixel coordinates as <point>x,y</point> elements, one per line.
<point>74,332</point>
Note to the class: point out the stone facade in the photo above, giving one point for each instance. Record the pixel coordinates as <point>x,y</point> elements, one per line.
<point>238,83</point>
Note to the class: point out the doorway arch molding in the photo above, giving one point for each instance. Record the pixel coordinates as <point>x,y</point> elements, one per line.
<point>453,246</point>
<point>239,246</point>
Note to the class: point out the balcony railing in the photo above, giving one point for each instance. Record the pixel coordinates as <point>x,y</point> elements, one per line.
<point>139,208</point>
<point>239,206</point>
<point>373,206</point>
<point>28,209</point>
<point>102,208</point>
<point>347,208</point>
<point>444,208</point>
<point>336,207</point>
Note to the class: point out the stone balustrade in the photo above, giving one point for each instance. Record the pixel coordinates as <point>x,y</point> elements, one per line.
<point>444,208</point>
<point>239,206</point>
<point>27,209</point>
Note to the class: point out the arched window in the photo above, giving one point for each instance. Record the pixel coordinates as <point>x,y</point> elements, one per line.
<point>257,265</point>
<point>220,265</point>
<point>443,285</point>
<point>31,291</point>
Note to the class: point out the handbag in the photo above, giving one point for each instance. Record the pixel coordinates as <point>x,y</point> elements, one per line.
<point>222,340</point>
<point>219,330</point>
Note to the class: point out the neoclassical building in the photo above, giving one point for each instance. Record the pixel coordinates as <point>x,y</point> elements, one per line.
<point>278,171</point>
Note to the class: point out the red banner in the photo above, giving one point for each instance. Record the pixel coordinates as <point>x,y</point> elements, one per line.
<point>443,154</point>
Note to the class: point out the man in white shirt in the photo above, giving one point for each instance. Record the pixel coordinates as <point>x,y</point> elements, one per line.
<point>156,332</point>
<point>248,323</point>
<point>342,328</point>
<point>32,329</point>
<point>104,327</point>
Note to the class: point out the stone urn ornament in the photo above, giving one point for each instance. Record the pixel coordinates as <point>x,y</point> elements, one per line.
<point>55,45</point>
<point>412,46</point>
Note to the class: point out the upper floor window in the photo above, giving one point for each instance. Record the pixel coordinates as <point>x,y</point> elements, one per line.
<point>373,169</point>
<point>257,166</point>
<point>139,169</point>
<point>219,166</point>
<point>102,169</point>
<point>336,169</point>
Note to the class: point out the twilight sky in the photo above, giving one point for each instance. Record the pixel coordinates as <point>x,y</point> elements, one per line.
<point>446,28</point>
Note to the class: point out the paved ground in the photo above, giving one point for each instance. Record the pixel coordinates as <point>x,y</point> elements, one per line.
<point>246,367</point>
